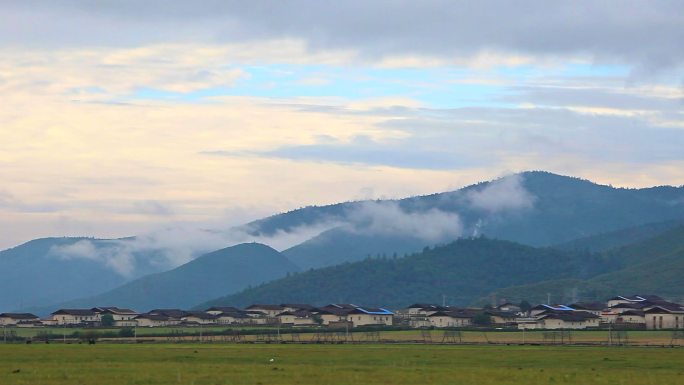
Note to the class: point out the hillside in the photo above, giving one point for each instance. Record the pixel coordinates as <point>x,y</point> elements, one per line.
<point>223,271</point>
<point>622,237</point>
<point>51,270</point>
<point>655,265</point>
<point>534,208</point>
<point>463,271</point>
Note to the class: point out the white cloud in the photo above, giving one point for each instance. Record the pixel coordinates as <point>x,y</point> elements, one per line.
<point>389,218</point>
<point>506,193</point>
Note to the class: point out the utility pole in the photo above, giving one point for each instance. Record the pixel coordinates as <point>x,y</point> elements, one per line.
<point>443,300</point>
<point>548,298</point>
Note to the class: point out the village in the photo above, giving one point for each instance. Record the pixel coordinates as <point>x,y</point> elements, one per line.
<point>636,312</point>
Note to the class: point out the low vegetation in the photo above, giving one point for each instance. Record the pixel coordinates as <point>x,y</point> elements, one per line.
<point>335,364</point>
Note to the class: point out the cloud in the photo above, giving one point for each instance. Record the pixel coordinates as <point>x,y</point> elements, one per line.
<point>503,194</point>
<point>643,34</point>
<point>175,245</point>
<point>389,218</point>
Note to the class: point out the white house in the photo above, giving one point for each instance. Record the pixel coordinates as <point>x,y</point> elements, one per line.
<point>75,317</point>
<point>453,318</point>
<point>122,317</point>
<point>370,316</point>
<point>19,319</point>
<point>664,316</point>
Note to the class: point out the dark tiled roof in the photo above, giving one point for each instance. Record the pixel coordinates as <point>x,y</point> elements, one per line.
<point>266,307</point>
<point>173,313</point>
<point>19,315</point>
<point>298,306</point>
<point>153,317</point>
<point>79,312</point>
<point>200,315</point>
<point>595,306</point>
<point>575,316</point>
<point>113,310</point>
<point>224,309</point>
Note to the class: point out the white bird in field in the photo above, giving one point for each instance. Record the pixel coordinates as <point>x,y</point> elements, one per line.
<point>271,360</point>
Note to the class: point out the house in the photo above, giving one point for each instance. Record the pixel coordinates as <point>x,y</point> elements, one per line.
<point>664,316</point>
<point>299,318</point>
<point>155,320</point>
<point>271,311</point>
<point>232,318</point>
<point>635,318</point>
<point>424,309</point>
<point>76,317</point>
<point>200,318</point>
<point>257,317</point>
<point>568,320</point>
<point>364,316</point>
<point>19,319</point>
<point>172,313</point>
<point>452,318</point>
<point>122,317</point>
<point>501,318</point>
<point>332,315</point>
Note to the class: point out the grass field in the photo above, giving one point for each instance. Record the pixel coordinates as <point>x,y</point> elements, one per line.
<point>336,364</point>
<point>656,338</point>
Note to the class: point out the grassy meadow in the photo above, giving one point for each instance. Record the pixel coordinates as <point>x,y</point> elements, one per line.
<point>197,364</point>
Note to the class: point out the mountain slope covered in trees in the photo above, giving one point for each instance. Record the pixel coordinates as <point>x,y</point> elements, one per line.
<point>463,271</point>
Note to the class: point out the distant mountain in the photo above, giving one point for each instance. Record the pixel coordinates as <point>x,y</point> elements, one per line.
<point>463,271</point>
<point>224,271</point>
<point>618,238</point>
<point>50,270</point>
<point>534,208</point>
<point>655,265</point>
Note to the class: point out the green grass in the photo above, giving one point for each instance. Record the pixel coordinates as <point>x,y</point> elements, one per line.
<point>166,364</point>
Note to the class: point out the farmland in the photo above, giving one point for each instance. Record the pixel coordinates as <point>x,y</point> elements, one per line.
<point>335,364</point>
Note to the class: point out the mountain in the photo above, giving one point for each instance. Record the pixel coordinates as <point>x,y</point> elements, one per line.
<point>50,270</point>
<point>654,265</point>
<point>535,208</point>
<point>618,238</point>
<point>223,271</point>
<point>463,271</point>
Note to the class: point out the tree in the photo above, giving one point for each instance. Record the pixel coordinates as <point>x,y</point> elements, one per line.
<point>107,320</point>
<point>126,332</point>
<point>482,319</point>
<point>525,306</point>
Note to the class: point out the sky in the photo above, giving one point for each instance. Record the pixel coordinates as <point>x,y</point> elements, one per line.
<point>121,117</point>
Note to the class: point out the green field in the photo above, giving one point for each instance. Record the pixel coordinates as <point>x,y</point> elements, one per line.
<point>591,337</point>
<point>336,364</point>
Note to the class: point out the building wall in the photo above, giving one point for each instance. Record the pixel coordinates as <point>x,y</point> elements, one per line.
<point>369,319</point>
<point>446,321</point>
<point>68,319</point>
<point>657,321</point>
<point>560,324</point>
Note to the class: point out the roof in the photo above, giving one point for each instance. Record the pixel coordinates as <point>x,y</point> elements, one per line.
<point>628,306</point>
<point>633,312</point>
<point>223,309</point>
<point>457,313</point>
<point>503,314</point>
<point>233,314</point>
<point>113,310</point>
<point>80,312</point>
<point>265,307</point>
<point>421,306</point>
<point>575,316</point>
<point>553,307</point>
<point>200,315</point>
<point>371,311</point>
<point>173,313</point>
<point>667,307</point>
<point>153,317</point>
<point>638,298</point>
<point>596,306</point>
<point>19,315</point>
<point>297,313</point>
<point>349,306</point>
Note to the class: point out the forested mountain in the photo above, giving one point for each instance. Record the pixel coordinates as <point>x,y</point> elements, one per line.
<point>463,271</point>
<point>619,238</point>
<point>655,265</point>
<point>50,270</point>
<point>223,271</point>
<point>535,208</point>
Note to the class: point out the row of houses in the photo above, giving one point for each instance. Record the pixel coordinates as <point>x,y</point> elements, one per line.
<point>259,314</point>
<point>638,311</point>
